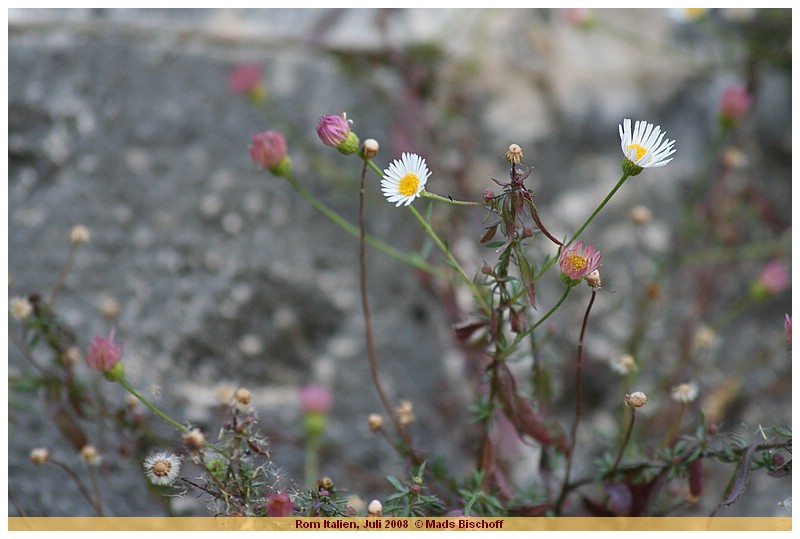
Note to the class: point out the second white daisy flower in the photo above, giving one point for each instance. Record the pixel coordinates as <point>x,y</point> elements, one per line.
<point>644,146</point>
<point>405,179</point>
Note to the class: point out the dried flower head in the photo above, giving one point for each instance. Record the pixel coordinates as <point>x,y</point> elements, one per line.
<point>704,338</point>
<point>162,468</point>
<point>593,279</point>
<point>643,147</point>
<point>375,422</point>
<point>405,179</point>
<point>514,154</point>
<point>685,393</point>
<point>241,400</point>
<point>194,439</point>
<point>405,412</point>
<point>636,399</point>
<point>279,505</point>
<point>370,148</point>
<point>375,508</point>
<point>624,364</point>
<point>40,455</point>
<point>79,234</point>
<point>20,308</point>
<point>577,261</point>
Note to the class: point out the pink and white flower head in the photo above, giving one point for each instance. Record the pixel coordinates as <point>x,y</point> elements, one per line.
<point>643,146</point>
<point>279,505</point>
<point>578,261</point>
<point>104,354</point>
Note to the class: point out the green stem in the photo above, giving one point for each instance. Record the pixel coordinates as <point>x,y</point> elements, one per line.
<point>600,207</point>
<point>584,225</point>
<point>538,323</point>
<point>311,469</point>
<point>624,445</point>
<point>183,428</point>
<point>475,292</point>
<point>449,200</point>
<point>353,230</point>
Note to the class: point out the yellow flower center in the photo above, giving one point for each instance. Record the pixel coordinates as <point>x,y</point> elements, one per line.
<point>408,185</point>
<point>640,151</point>
<point>577,262</point>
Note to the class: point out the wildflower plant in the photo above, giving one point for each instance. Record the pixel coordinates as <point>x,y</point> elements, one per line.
<point>505,332</point>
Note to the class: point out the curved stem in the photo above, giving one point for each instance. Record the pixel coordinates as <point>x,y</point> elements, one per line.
<point>478,296</point>
<point>371,356</point>
<point>183,428</point>
<point>538,323</point>
<point>344,224</point>
<point>63,275</point>
<point>578,404</point>
<point>624,444</point>
<point>584,225</point>
<point>450,200</point>
<point>600,207</point>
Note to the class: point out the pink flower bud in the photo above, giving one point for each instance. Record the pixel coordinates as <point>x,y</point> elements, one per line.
<point>279,505</point>
<point>316,399</point>
<point>104,354</point>
<point>245,78</point>
<point>333,130</point>
<point>734,104</point>
<point>774,279</point>
<point>269,149</point>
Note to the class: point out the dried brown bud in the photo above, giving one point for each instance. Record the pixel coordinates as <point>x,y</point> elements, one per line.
<point>636,400</point>
<point>40,455</point>
<point>514,154</point>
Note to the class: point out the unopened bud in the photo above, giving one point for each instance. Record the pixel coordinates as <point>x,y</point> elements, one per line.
<point>40,455</point>
<point>375,508</point>
<point>640,215</point>
<point>636,400</point>
<point>89,454</point>
<point>79,234</point>
<point>370,148</point>
<point>375,422</point>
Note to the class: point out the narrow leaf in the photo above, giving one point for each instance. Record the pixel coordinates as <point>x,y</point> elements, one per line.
<point>741,477</point>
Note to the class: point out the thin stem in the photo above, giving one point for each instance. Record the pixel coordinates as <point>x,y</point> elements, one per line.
<point>450,200</point>
<point>584,225</point>
<point>600,207</point>
<point>81,487</point>
<point>311,468</point>
<point>478,296</point>
<point>624,444</point>
<point>344,224</point>
<point>183,428</point>
<point>371,356</point>
<point>63,275</point>
<point>528,331</point>
<point>578,404</point>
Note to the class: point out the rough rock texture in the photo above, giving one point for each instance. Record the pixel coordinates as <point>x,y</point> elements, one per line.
<point>223,275</point>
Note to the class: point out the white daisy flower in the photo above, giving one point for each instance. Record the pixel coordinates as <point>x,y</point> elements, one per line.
<point>645,146</point>
<point>405,179</point>
<point>684,393</point>
<point>162,468</point>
